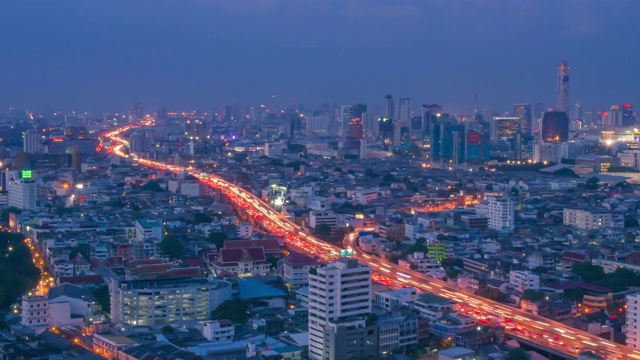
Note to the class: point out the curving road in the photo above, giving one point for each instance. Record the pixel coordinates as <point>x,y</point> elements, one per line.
<point>521,324</point>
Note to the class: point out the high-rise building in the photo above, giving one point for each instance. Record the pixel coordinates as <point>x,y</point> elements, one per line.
<point>339,292</point>
<point>31,143</point>
<point>501,214</point>
<point>477,147</point>
<point>385,130</point>
<point>21,189</point>
<point>555,127</point>
<point>430,115</point>
<point>346,115</point>
<point>389,111</point>
<point>138,111</point>
<point>523,111</point>
<point>318,122</point>
<point>355,128</point>
<point>358,110</point>
<point>563,87</point>
<point>632,324</point>
<point>401,135</point>
<point>628,119</point>
<point>505,127</point>
<point>404,111</point>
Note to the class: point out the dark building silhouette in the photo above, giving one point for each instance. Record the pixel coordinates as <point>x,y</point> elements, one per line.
<point>555,127</point>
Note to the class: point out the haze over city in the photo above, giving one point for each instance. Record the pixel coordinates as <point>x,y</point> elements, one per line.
<point>100,56</point>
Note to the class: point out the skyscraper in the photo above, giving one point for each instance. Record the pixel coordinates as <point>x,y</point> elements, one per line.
<point>523,111</point>
<point>339,299</point>
<point>346,115</point>
<point>358,110</point>
<point>138,111</point>
<point>404,111</point>
<point>505,126</point>
<point>31,143</point>
<point>388,107</point>
<point>555,127</point>
<point>563,87</point>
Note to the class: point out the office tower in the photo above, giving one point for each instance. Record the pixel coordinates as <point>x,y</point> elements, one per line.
<point>358,110</point>
<point>339,294</point>
<point>140,142</point>
<point>501,214</point>
<point>627,115</point>
<point>404,111</point>
<point>31,143</point>
<point>370,125</point>
<point>504,127</point>
<point>21,189</point>
<point>355,128</point>
<point>452,143</point>
<point>523,111</point>
<point>385,129</point>
<point>416,123</point>
<point>477,146</point>
<point>632,324</point>
<point>318,122</point>
<point>138,111</point>
<point>430,115</point>
<point>346,115</point>
<point>563,87</point>
<point>388,107</point>
<point>555,127</point>
<point>401,135</point>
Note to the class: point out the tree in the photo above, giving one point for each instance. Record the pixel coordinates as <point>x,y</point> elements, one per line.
<point>370,174</point>
<point>337,169</point>
<point>592,183</point>
<point>517,354</point>
<point>489,187</point>
<point>630,222</point>
<point>10,210</point>
<point>171,246</point>
<point>152,186</point>
<point>234,310</point>
<point>217,238</point>
<point>272,260</point>
<point>532,295</point>
<point>387,179</point>
<point>200,218</point>
<point>168,329</point>
<point>101,294</point>
<point>588,272</point>
<point>323,230</point>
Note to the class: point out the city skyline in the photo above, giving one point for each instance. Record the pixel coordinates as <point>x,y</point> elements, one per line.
<point>197,56</point>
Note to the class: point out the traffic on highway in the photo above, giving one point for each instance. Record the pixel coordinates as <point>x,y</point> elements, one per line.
<point>518,323</point>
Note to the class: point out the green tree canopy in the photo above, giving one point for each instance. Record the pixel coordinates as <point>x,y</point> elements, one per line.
<point>171,247</point>
<point>517,354</point>
<point>592,183</point>
<point>201,217</point>
<point>234,310</point>
<point>101,294</point>
<point>323,230</point>
<point>217,238</point>
<point>152,186</point>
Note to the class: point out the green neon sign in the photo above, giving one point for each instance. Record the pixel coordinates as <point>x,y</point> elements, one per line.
<point>26,174</point>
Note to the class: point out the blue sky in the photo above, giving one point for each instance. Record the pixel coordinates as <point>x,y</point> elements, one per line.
<point>201,54</point>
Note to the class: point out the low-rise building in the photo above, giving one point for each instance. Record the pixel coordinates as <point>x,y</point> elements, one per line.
<point>524,280</point>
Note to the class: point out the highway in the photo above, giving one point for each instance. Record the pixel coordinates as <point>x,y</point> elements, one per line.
<point>518,323</point>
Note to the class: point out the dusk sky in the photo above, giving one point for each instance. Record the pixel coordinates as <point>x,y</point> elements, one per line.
<point>201,54</point>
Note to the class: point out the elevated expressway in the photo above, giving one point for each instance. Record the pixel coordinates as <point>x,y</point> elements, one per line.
<point>535,329</point>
